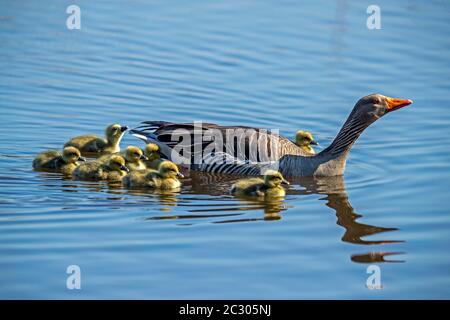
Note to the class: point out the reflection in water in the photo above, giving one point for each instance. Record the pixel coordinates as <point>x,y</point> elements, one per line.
<point>166,198</point>
<point>226,209</point>
<point>375,257</point>
<point>336,198</point>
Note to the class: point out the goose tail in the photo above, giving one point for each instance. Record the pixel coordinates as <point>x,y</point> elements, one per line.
<point>146,132</point>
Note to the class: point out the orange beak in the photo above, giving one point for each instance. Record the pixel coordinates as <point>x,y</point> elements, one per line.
<point>395,103</point>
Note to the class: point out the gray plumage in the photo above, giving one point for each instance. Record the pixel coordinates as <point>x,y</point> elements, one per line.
<point>253,154</point>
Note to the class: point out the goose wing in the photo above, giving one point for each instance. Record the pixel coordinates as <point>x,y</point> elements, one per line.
<point>214,148</point>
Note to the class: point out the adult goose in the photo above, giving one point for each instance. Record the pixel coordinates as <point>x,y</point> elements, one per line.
<point>252,154</point>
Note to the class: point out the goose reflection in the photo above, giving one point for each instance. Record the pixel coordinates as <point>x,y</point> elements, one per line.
<point>226,209</point>
<point>335,197</point>
<point>375,257</point>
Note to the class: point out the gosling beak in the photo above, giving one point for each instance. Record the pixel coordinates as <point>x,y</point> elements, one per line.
<point>143,157</point>
<point>395,103</point>
<point>284,181</point>
<point>123,168</point>
<point>123,128</point>
<point>81,159</point>
<point>180,175</point>
<point>314,143</point>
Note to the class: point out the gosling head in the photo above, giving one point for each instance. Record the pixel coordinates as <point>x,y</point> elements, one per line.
<point>72,155</point>
<point>115,132</point>
<point>372,107</point>
<point>134,154</point>
<point>274,178</point>
<point>117,163</point>
<point>304,139</point>
<point>152,151</point>
<point>168,169</point>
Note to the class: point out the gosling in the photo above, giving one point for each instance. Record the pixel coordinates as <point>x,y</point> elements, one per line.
<point>153,154</point>
<point>304,140</point>
<point>52,160</point>
<point>89,144</point>
<point>165,178</point>
<point>133,156</point>
<point>268,187</point>
<point>114,170</point>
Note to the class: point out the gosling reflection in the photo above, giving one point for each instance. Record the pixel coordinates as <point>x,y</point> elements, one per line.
<point>168,199</point>
<point>271,209</point>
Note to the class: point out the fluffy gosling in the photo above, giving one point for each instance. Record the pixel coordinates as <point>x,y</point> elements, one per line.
<point>93,144</point>
<point>114,170</point>
<point>52,160</point>
<point>304,140</point>
<point>133,156</point>
<point>154,156</point>
<point>268,187</point>
<point>165,178</point>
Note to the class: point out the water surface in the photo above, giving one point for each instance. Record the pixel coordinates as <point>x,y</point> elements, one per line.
<point>278,64</point>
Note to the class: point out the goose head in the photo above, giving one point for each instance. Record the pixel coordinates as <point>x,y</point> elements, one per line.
<point>117,163</point>
<point>152,151</point>
<point>134,154</point>
<point>114,132</point>
<point>274,179</point>
<point>168,169</point>
<point>304,140</point>
<point>72,155</point>
<point>372,107</point>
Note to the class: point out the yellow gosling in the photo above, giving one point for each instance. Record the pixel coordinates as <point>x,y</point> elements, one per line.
<point>52,160</point>
<point>153,154</point>
<point>134,158</point>
<point>165,178</point>
<point>93,144</point>
<point>304,140</point>
<point>114,170</point>
<point>268,187</point>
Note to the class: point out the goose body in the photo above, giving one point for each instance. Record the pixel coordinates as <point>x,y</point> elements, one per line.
<point>113,170</point>
<point>166,177</point>
<point>251,151</point>
<point>52,160</point>
<point>268,187</point>
<point>89,144</point>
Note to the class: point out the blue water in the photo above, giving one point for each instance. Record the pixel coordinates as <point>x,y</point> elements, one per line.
<point>279,64</point>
